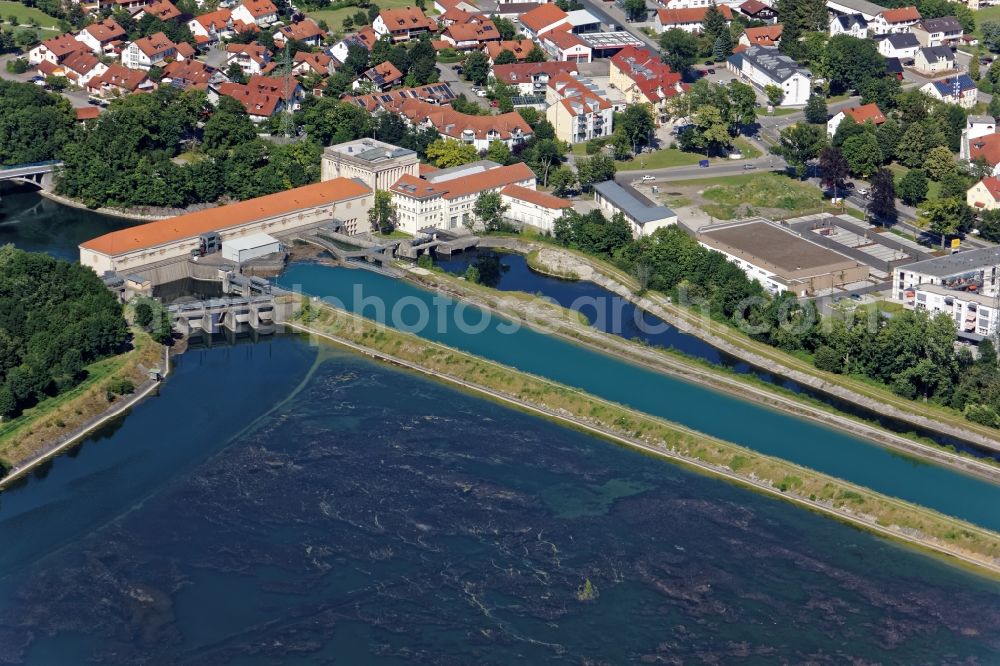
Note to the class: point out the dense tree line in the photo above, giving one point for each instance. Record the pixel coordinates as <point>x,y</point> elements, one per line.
<point>34,124</point>
<point>55,318</point>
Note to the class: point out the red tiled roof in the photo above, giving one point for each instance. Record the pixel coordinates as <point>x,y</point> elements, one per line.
<point>987,147</point>
<point>519,47</point>
<point>190,225</point>
<point>189,73</point>
<point>258,8</point>
<point>81,62</point>
<point>319,62</point>
<point>302,30</point>
<point>87,112</point>
<point>154,44</point>
<point>471,32</point>
<point>542,17</point>
<point>487,180</point>
<point>260,96</point>
<point>534,196</point>
<point>451,123</point>
<point>456,15</point>
<point>690,15</point>
<point>406,18</point>
<point>564,40</point>
<point>253,50</point>
<point>389,73</point>
<point>751,7</point>
<point>862,114</point>
<point>992,185</point>
<point>185,50</point>
<point>901,15</point>
<point>63,45</point>
<point>416,188</point>
<point>105,31</point>
<point>648,72</point>
<point>765,35</point>
<point>163,10</point>
<point>119,76</point>
<point>523,71</point>
<point>219,20</point>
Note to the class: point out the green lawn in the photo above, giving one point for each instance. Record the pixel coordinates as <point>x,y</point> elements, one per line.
<point>986,14</point>
<point>660,159</point>
<point>781,111</point>
<point>26,14</point>
<point>738,196</point>
<point>898,170</point>
<point>335,17</point>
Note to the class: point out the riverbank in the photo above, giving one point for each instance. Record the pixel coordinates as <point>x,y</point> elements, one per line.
<point>845,501</point>
<point>563,263</point>
<point>110,212</point>
<point>57,424</point>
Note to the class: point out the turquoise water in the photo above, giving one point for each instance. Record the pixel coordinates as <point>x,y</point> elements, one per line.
<point>768,431</point>
<point>381,518</point>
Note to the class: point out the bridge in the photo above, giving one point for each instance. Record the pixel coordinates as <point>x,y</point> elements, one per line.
<point>36,173</point>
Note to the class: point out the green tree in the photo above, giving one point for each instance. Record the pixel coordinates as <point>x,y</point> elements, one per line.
<point>913,187</point>
<point>679,49</point>
<point>505,57</point>
<point>722,47</point>
<point>815,110</point>
<point>476,67</point>
<point>505,27</point>
<point>833,168</point>
<point>799,144</point>
<point>939,161</point>
<point>536,54</point>
<point>941,216</point>
<point>562,180</point>
<point>329,120</point>
<point>712,130</point>
<point>446,153</point>
<point>596,169</point>
<point>383,216</point>
<point>635,10</point>
<point>499,153</point>
<point>954,183</point>
<point>714,24</point>
<point>490,210</point>
<point>881,91</point>
<point>883,205</point>
<point>775,95</point>
<point>742,108</point>
<point>850,63</point>
<point>862,154</point>
<point>888,135</point>
<point>636,123</point>
<point>228,126</point>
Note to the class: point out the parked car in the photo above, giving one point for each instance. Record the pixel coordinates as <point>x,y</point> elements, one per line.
<point>855,297</point>
<point>711,70</point>
<point>703,164</point>
<point>863,192</point>
<point>647,177</point>
<point>709,62</point>
<point>747,167</point>
<point>481,93</point>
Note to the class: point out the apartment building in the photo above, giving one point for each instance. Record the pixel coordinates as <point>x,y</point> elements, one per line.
<point>577,112</point>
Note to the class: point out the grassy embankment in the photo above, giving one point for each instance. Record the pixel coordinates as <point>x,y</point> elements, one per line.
<point>673,157</point>
<point>40,426</point>
<point>25,15</point>
<point>770,194</point>
<point>335,17</point>
<point>800,362</point>
<point>847,501</point>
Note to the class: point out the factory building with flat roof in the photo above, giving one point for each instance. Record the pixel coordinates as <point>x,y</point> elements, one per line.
<point>780,259</point>
<point>377,163</point>
<point>177,238</point>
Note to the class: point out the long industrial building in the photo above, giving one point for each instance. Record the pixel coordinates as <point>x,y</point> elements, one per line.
<point>129,250</point>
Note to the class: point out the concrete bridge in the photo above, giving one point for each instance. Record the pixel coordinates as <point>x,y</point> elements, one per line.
<point>36,173</point>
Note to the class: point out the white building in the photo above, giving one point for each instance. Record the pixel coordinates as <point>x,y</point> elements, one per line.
<point>528,206</point>
<point>943,31</point>
<point>860,114</point>
<point>971,270</point>
<point>973,313</point>
<point>261,13</point>
<point>148,52</point>
<point>868,10</point>
<point>934,60</point>
<point>55,49</point>
<point>101,37</point>
<point>894,21</point>
<point>762,67</point>
<point>852,25</point>
<point>975,127</point>
<point>960,90</point>
<point>643,218</point>
<point>245,248</point>
<point>902,45</point>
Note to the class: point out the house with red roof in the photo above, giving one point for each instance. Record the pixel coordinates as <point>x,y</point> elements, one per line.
<point>688,20</point>
<point>403,24</point>
<point>191,74</point>
<point>542,19</point>
<point>260,13</point>
<point>163,10</point>
<point>263,96</point>
<point>103,37</point>
<point>151,51</point>
<point>444,6</point>
<point>252,58</point>
<point>209,28</point>
<point>119,80</point>
<point>382,77</point>
<point>531,78</point>
<point>986,149</point>
<point>894,21</point>
<point>55,49</point>
<point>576,112</point>
<point>564,45</point>
<point>519,48</point>
<point>80,67</point>
<point>765,35</point>
<point>984,195</point>
<point>460,16</point>
<point>305,31</point>
<point>865,113</point>
<point>469,36</point>
<point>755,10</point>
<point>643,78</point>
<point>529,206</point>
<point>305,63</point>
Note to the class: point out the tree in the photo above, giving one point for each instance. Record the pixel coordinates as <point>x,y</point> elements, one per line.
<point>991,35</point>
<point>742,109</point>
<point>228,127</point>
<point>815,110</point>
<point>881,91</point>
<point>596,169</point>
<point>490,209</point>
<point>913,187</point>
<point>476,67</point>
<point>799,144</point>
<point>850,63</point>
<point>888,135</point>
<point>833,168</point>
<point>774,94</point>
<point>883,205</point>
<point>536,54</point>
<point>862,154</point>
<point>974,72</point>
<point>711,129</point>
<point>329,120</point>
<point>505,57</point>
<point>954,183</point>
<point>714,24</point>
<point>383,216</point>
<point>799,18</point>
<point>446,153</point>
<point>722,47</point>
<point>562,180</point>
<point>939,161</point>
<point>505,27</point>
<point>847,128</point>
<point>499,153</point>
<point>356,60</point>
<point>636,123</point>
<point>635,10</point>
<point>941,216</point>
<point>679,49</point>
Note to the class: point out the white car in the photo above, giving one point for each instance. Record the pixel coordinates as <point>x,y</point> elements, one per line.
<point>481,93</point>
<point>647,178</point>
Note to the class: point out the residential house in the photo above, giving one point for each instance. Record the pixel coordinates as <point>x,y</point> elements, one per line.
<point>393,101</point>
<point>901,45</point>
<point>643,78</point>
<point>975,314</point>
<point>984,195</point>
<point>211,27</point>
<point>686,4</point>
<point>894,21</point>
<point>944,31</point>
<point>688,20</point>
<point>364,38</point>
<point>459,16</point>
<point>868,10</point>
<point>529,206</point>
<point>853,25</point>
<point>305,32</point>
<point>304,63</point>
<point>103,37</point>
<point>263,97</point>
<point>403,24</point>
<point>514,10</point>
<point>762,66</point>
<point>960,90</point>
<point>252,58</point>
<point>260,13</point>
<point>478,131</point>
<point>55,49</point>
<point>152,51</point>
<point>119,80</point>
<point>383,77</point>
<point>765,35</point>
<point>975,127</point>
<point>185,51</point>
<point>643,216</point>
<point>446,198</point>
<point>519,48</point>
<point>934,60</point>
<point>469,36</point>
<point>86,113</point>
<point>542,19</point>
<point>867,113</point>
<point>80,67</point>
<point>443,6</point>
<point>163,10</point>
<point>986,149</point>
<point>755,10</point>
<point>565,46</point>
<point>576,111</point>
<point>192,74</point>
<point>531,78</point>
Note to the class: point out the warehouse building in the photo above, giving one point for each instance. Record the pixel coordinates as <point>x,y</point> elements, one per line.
<point>643,216</point>
<point>178,238</point>
<point>780,259</point>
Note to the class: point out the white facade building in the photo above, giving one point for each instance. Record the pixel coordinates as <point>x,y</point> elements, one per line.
<point>766,66</point>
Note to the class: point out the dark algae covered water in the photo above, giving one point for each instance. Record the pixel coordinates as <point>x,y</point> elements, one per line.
<point>286,504</point>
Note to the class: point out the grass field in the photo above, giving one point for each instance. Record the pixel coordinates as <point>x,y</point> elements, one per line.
<point>986,14</point>
<point>26,14</point>
<point>335,17</point>
<point>738,196</point>
<point>898,171</point>
<point>660,159</point>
